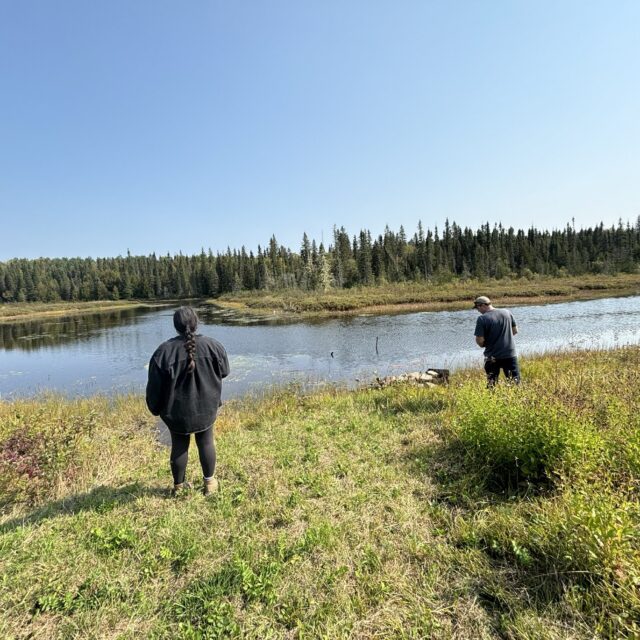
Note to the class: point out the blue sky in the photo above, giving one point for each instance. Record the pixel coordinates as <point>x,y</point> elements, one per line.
<point>170,126</point>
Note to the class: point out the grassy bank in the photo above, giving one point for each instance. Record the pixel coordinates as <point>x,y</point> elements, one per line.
<point>23,311</point>
<point>404,297</point>
<point>388,298</point>
<point>395,513</point>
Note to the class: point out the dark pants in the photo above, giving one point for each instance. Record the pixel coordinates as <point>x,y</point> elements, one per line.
<point>180,454</point>
<point>509,366</point>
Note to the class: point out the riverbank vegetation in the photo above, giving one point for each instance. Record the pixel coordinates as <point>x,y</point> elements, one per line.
<point>389,298</point>
<point>404,512</point>
<point>346,262</point>
<point>18,312</point>
<point>402,297</point>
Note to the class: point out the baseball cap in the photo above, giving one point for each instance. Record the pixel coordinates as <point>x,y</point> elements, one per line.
<point>481,300</point>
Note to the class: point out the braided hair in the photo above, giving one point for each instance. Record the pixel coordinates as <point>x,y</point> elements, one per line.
<point>185,321</point>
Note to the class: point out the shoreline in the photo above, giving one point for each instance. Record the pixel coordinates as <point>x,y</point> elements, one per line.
<point>292,308</point>
<point>393,299</point>
<point>61,309</point>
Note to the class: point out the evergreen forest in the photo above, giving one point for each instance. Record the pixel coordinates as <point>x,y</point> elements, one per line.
<point>348,261</point>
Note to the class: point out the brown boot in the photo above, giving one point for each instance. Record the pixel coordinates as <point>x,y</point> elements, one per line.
<point>180,489</point>
<point>210,487</point>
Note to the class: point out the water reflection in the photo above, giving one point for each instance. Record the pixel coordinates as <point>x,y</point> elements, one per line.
<point>36,334</point>
<point>211,314</point>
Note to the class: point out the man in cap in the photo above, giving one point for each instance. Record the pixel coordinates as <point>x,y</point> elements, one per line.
<point>495,329</point>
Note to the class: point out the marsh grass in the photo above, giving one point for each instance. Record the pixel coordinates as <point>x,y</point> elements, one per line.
<point>433,295</point>
<point>20,311</point>
<point>342,514</point>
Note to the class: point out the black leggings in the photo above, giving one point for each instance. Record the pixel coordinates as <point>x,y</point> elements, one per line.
<point>180,454</point>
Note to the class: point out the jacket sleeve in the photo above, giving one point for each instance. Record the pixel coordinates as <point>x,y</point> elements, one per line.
<point>224,363</point>
<point>155,389</point>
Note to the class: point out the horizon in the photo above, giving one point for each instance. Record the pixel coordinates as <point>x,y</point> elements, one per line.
<point>147,126</point>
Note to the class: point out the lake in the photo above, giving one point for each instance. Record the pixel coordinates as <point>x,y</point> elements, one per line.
<point>107,353</point>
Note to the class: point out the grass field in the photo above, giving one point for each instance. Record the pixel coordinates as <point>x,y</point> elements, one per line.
<point>404,512</point>
<point>404,297</point>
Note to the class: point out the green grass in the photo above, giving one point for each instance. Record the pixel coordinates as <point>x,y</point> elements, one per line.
<point>455,294</point>
<point>394,513</point>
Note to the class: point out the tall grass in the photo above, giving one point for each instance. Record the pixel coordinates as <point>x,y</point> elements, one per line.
<point>572,432</point>
<point>446,294</point>
<point>517,435</point>
<point>379,513</point>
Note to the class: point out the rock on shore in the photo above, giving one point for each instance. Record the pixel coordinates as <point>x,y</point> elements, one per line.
<point>429,378</point>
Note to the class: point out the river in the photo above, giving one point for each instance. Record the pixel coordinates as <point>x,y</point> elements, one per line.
<point>107,353</point>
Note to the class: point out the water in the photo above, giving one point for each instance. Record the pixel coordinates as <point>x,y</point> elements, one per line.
<point>107,353</point>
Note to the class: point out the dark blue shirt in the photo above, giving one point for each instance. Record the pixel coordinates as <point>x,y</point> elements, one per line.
<point>496,327</point>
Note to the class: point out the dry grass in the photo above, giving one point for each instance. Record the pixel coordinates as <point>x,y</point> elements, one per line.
<point>406,297</point>
<point>19,311</point>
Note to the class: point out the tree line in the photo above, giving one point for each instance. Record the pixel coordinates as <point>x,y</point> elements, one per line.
<point>360,260</point>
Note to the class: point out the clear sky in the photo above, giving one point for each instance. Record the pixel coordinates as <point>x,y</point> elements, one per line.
<point>156,125</point>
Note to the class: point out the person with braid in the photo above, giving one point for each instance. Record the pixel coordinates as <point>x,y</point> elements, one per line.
<point>184,389</point>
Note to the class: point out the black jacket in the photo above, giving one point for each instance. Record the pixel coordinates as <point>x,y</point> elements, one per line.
<point>186,402</point>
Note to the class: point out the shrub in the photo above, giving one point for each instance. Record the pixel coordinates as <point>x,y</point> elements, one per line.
<point>518,436</point>
<point>38,442</point>
<point>588,535</point>
<point>582,541</point>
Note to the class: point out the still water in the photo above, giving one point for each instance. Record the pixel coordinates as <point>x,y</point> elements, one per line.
<point>107,353</point>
